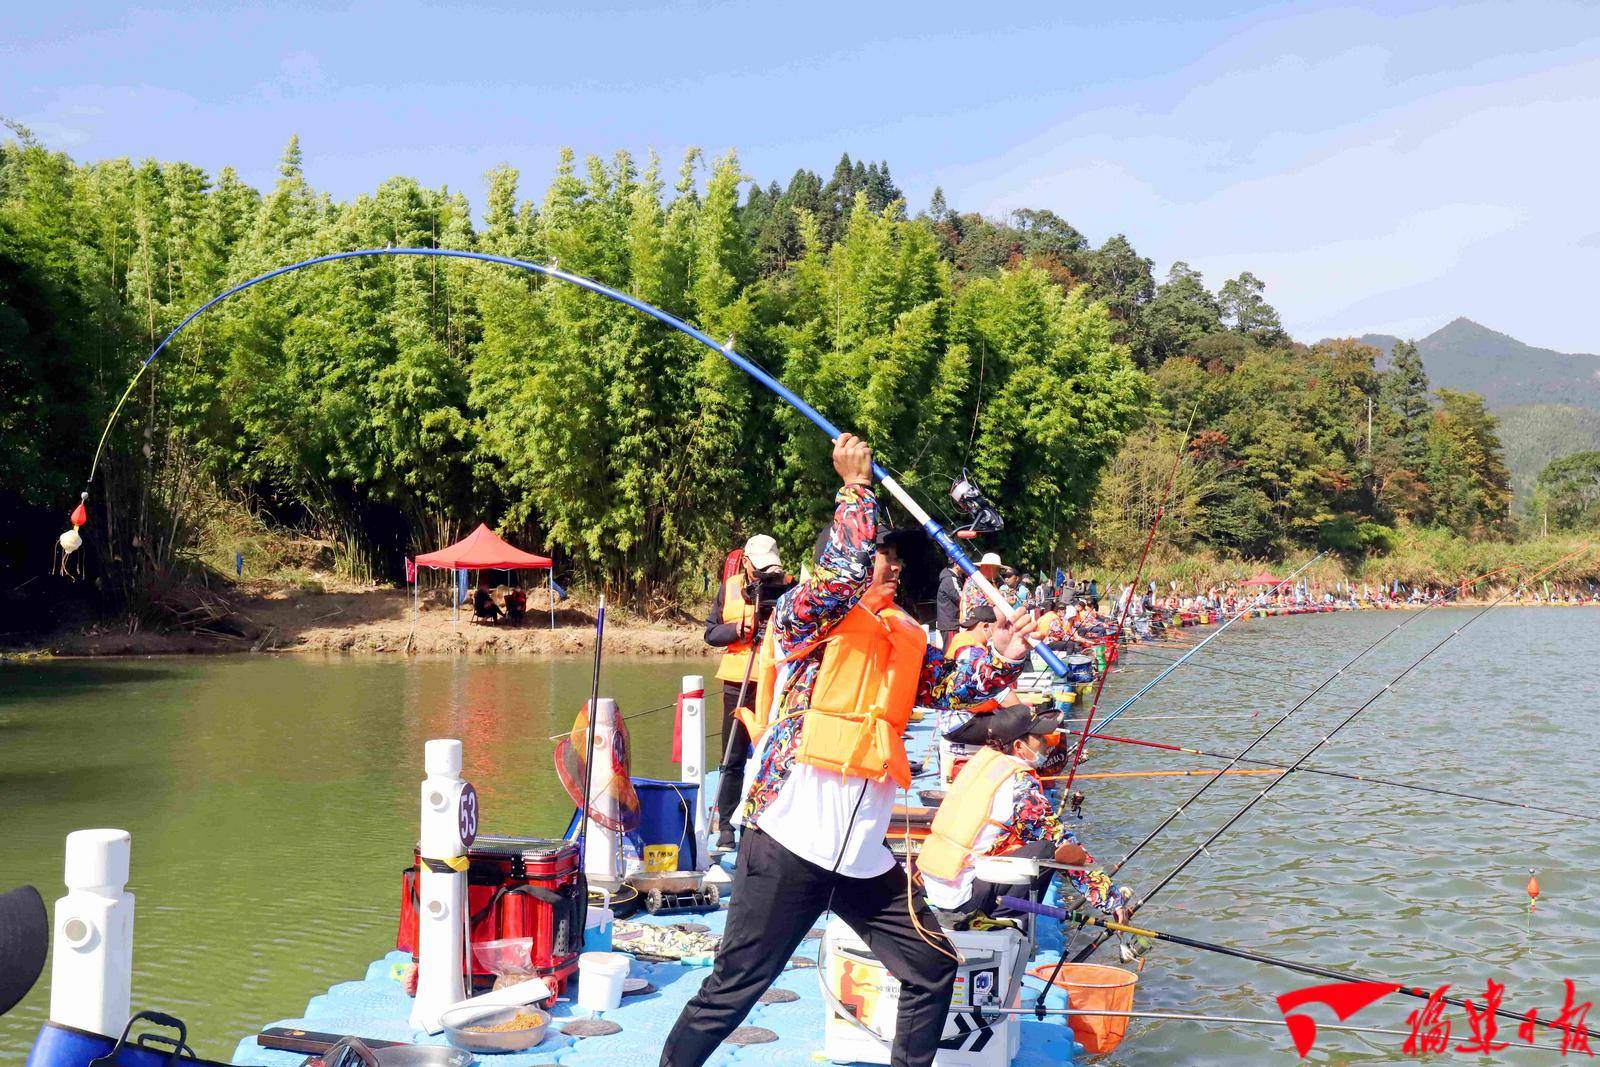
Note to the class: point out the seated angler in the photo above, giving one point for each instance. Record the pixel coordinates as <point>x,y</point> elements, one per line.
<point>979,627</point>
<point>516,603</point>
<point>484,609</point>
<point>998,807</point>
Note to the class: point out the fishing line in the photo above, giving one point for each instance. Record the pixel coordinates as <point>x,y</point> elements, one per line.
<point>1122,614</point>
<point>1329,680</point>
<point>1156,660</point>
<point>1191,715</point>
<point>1180,661</point>
<point>940,536</point>
<point>1241,813</point>
<point>1218,775</point>
<point>1089,918</point>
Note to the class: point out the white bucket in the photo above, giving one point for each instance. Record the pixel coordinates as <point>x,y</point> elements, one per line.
<point>600,977</point>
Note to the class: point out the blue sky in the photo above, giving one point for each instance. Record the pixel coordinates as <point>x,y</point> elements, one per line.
<point>1381,167</point>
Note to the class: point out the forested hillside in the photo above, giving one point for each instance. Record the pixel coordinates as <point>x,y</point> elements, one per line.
<point>1535,434</point>
<point>391,403</point>
<point>1548,403</point>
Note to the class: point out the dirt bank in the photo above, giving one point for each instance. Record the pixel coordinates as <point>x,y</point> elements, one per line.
<point>379,620</point>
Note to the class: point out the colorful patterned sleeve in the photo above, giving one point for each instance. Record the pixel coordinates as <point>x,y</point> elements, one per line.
<point>971,598</point>
<point>1033,819</point>
<point>839,577</point>
<point>975,675</point>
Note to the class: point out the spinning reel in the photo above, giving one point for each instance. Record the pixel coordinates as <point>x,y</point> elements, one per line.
<point>971,502</point>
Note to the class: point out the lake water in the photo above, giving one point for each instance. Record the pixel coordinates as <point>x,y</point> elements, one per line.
<point>272,802</point>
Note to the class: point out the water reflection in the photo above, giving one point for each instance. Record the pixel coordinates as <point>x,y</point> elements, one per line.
<point>272,803</point>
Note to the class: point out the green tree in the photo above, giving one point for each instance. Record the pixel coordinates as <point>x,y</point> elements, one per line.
<point>1182,311</point>
<point>1121,279</point>
<point>1245,310</point>
<point>1567,492</point>
<point>1468,483</point>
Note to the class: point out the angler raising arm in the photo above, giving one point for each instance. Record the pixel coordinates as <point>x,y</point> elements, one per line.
<point>840,670</point>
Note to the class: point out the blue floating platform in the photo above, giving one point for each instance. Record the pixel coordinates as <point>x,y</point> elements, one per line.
<point>377,1007</point>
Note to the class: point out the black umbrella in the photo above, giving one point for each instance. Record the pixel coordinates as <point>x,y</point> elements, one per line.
<point>24,942</point>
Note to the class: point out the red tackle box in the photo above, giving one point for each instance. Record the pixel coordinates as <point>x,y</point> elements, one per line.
<point>517,887</point>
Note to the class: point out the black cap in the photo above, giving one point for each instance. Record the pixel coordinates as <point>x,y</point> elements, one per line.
<point>983,613</point>
<point>888,536</point>
<point>1005,726</point>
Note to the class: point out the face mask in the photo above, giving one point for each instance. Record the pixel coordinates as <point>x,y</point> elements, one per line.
<point>1037,757</point>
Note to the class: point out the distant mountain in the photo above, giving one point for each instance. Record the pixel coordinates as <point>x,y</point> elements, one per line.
<point>1505,372</point>
<point>1548,402</point>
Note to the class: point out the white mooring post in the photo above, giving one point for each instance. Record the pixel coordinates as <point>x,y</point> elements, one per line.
<point>449,824</point>
<point>692,743</point>
<point>602,848</point>
<point>91,973</point>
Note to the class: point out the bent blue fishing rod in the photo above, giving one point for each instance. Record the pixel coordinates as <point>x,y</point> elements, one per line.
<point>939,535</point>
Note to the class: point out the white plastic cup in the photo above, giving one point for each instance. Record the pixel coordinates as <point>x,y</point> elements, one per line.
<point>600,978</point>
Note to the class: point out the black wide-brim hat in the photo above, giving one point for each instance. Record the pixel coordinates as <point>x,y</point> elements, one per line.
<point>1005,725</point>
<point>24,943</point>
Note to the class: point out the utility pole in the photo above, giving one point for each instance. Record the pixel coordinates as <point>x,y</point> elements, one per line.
<point>1369,426</point>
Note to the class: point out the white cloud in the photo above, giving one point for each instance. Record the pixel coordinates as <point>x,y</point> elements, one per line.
<point>1362,186</point>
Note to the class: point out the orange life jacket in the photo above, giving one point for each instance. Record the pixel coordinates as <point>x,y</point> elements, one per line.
<point>964,814</point>
<point>735,609</point>
<point>865,691</point>
<point>1049,627</point>
<point>964,639</point>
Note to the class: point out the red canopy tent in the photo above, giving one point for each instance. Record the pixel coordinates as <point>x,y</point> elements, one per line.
<point>1262,578</point>
<point>483,550</point>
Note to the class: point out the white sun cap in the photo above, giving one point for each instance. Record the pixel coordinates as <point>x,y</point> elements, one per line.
<point>762,552</point>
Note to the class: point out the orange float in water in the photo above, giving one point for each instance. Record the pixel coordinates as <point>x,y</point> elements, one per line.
<point>1533,890</point>
<point>1090,986</point>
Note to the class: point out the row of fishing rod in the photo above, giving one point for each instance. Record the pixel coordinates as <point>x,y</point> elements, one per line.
<point>1107,929</point>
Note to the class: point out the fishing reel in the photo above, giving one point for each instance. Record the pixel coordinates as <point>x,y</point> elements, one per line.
<point>970,501</point>
<point>1134,950</point>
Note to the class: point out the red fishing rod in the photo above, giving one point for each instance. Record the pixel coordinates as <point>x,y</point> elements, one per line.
<point>1122,613</point>
<point>1268,766</point>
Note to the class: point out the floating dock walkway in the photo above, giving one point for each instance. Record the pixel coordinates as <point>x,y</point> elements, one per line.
<point>376,1006</point>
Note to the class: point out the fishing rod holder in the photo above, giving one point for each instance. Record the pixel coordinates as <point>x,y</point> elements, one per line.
<point>449,824</point>
<point>91,975</point>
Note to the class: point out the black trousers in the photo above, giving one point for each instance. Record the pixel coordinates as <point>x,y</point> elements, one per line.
<point>777,897</point>
<point>735,750</point>
<point>986,896</point>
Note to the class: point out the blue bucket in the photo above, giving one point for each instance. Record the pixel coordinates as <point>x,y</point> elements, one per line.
<point>1080,670</point>
<point>66,1046</point>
